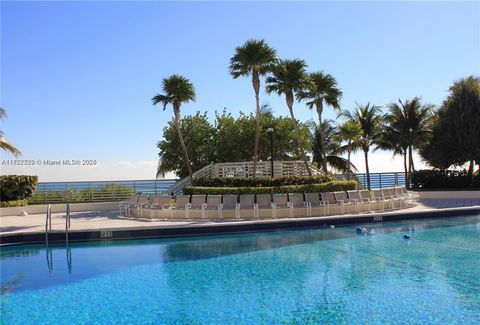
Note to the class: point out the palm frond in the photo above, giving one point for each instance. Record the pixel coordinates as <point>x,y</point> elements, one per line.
<point>7,146</point>
<point>253,55</point>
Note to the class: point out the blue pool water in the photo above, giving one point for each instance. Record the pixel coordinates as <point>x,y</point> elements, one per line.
<point>306,276</point>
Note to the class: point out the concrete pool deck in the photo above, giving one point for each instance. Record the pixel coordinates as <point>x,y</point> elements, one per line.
<point>98,225</point>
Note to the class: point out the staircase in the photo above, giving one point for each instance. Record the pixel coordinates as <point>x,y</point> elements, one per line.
<point>244,170</point>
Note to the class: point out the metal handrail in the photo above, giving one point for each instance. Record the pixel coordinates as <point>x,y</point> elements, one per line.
<point>67,222</point>
<point>48,222</point>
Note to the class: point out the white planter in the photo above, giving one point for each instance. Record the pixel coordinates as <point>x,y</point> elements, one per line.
<point>449,194</point>
<point>56,208</point>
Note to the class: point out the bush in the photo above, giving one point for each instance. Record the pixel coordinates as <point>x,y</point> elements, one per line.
<point>13,203</point>
<point>261,181</point>
<point>17,187</point>
<point>443,179</point>
<point>305,188</point>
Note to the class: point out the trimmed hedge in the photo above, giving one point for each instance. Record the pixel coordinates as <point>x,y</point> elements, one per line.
<point>14,203</point>
<point>443,179</point>
<point>260,181</point>
<point>17,187</point>
<point>324,187</point>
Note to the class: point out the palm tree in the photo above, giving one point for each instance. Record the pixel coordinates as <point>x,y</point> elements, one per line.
<point>350,132</point>
<point>369,118</point>
<point>406,128</point>
<point>254,58</point>
<point>320,89</point>
<point>4,144</point>
<point>331,148</point>
<point>177,90</point>
<point>288,77</point>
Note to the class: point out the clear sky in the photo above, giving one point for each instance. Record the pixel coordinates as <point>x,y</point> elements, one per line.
<point>77,77</point>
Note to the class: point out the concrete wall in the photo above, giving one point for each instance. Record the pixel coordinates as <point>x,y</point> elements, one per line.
<point>449,194</point>
<point>56,208</point>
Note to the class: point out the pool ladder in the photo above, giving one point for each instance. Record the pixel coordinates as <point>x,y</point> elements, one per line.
<point>48,228</point>
<point>48,223</point>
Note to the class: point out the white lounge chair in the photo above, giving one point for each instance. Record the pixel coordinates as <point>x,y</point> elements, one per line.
<point>230,206</point>
<point>197,203</point>
<point>380,199</point>
<point>214,202</point>
<point>265,207</point>
<point>247,207</point>
<point>141,204</point>
<point>161,203</point>
<point>297,205</point>
<point>328,199</point>
<point>366,197</point>
<point>124,206</point>
<point>281,206</point>
<point>391,194</point>
<point>312,201</point>
<point>182,206</point>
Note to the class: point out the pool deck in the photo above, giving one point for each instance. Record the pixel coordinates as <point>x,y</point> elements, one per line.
<point>101,225</point>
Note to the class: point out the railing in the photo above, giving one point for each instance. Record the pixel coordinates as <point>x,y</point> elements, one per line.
<point>378,180</point>
<point>104,191</point>
<point>244,169</point>
<point>96,191</point>
<point>264,169</point>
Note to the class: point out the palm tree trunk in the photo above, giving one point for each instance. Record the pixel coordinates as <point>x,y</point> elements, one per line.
<point>182,142</point>
<point>289,99</point>
<point>322,139</point>
<point>367,169</point>
<point>470,168</point>
<point>256,88</point>
<point>411,167</point>
<point>349,164</point>
<point>405,167</point>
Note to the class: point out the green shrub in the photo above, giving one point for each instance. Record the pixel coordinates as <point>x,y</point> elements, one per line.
<point>13,203</point>
<point>16,187</point>
<point>260,181</point>
<point>443,179</point>
<point>324,187</point>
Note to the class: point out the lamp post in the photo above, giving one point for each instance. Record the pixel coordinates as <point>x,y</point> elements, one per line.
<point>270,131</point>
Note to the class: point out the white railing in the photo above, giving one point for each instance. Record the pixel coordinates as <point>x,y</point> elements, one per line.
<point>244,169</point>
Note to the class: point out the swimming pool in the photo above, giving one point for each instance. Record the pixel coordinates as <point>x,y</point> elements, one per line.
<point>298,276</point>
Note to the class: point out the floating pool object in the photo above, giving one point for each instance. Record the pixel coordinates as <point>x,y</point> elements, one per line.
<point>360,230</point>
<point>332,226</point>
<point>406,236</point>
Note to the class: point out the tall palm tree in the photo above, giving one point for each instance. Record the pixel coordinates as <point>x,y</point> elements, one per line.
<point>392,137</point>
<point>330,148</point>
<point>177,90</point>
<point>4,144</point>
<point>320,89</point>
<point>288,77</point>
<point>254,58</point>
<point>370,120</point>
<point>351,133</point>
<point>406,128</point>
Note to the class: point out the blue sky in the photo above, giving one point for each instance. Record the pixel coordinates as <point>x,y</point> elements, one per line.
<point>77,77</point>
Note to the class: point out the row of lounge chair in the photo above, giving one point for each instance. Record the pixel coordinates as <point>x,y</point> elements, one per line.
<point>266,206</point>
